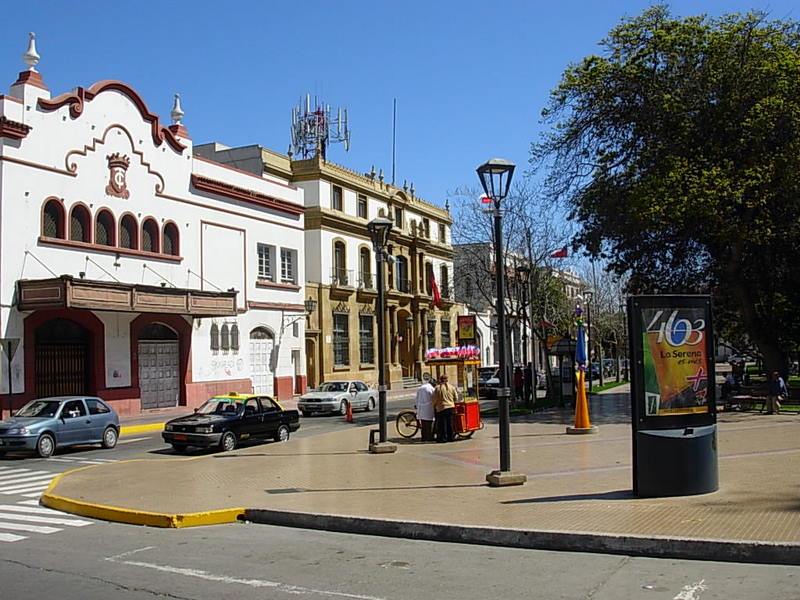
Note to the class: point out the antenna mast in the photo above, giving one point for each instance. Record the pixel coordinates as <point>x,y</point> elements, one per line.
<point>313,128</point>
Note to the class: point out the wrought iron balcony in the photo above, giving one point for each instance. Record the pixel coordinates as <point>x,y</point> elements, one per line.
<point>341,277</point>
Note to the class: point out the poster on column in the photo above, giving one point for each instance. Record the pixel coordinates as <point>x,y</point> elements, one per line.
<point>672,347</point>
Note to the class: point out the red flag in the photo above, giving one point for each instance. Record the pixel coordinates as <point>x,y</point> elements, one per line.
<point>486,200</point>
<point>437,299</point>
<point>560,253</point>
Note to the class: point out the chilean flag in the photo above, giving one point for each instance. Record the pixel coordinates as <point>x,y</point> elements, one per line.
<point>437,298</point>
<point>560,253</point>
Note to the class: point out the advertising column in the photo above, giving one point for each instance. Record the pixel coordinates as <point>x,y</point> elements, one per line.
<point>673,403</point>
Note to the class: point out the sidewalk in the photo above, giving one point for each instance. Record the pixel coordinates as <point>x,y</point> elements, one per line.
<point>577,497</point>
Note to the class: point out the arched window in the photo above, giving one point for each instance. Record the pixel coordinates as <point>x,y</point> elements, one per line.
<point>170,244</point>
<point>402,282</point>
<point>53,220</point>
<point>365,269</point>
<point>150,236</point>
<point>127,233</point>
<point>428,276</point>
<point>226,338</point>
<point>214,336</point>
<point>444,281</point>
<point>104,229</point>
<point>339,264</point>
<point>235,337</point>
<point>79,229</point>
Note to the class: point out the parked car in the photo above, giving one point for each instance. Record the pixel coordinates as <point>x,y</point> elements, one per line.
<point>333,396</point>
<point>45,424</point>
<point>225,421</point>
<point>489,381</point>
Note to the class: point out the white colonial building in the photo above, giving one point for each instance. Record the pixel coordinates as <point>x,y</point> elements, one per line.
<point>132,269</point>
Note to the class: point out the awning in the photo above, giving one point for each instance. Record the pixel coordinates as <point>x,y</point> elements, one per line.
<point>68,292</point>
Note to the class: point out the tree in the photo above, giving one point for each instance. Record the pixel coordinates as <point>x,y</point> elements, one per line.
<point>678,152</point>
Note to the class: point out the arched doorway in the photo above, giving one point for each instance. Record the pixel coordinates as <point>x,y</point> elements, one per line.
<point>159,366</point>
<point>61,357</point>
<point>405,324</point>
<point>262,343</point>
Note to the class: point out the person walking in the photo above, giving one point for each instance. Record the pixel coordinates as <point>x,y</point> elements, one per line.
<point>424,407</point>
<point>529,393</point>
<point>444,403</point>
<point>777,390</point>
<point>519,383</point>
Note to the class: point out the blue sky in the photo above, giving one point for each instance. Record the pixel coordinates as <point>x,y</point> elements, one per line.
<point>470,78</point>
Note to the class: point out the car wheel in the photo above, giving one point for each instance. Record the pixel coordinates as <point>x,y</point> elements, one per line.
<point>45,445</point>
<point>109,438</point>
<point>179,447</point>
<point>282,435</point>
<point>228,441</point>
<point>370,405</point>
<point>343,407</point>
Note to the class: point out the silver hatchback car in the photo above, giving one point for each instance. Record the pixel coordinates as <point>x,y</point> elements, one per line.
<point>45,424</point>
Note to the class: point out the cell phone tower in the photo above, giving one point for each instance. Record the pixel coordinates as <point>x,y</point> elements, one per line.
<point>313,128</point>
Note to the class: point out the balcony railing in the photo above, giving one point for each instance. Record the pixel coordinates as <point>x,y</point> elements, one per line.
<point>341,277</point>
<point>446,291</point>
<point>365,281</point>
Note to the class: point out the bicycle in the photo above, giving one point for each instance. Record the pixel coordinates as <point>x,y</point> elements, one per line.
<point>408,425</point>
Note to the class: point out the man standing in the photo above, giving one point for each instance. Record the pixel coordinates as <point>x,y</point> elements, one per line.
<point>444,402</point>
<point>777,391</point>
<point>424,408</point>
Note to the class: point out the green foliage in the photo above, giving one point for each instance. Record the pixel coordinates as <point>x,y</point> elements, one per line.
<point>678,151</point>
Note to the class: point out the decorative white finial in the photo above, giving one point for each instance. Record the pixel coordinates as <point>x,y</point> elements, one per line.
<point>30,57</point>
<point>177,111</point>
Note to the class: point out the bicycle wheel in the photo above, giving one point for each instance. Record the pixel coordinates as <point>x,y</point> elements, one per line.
<point>407,424</point>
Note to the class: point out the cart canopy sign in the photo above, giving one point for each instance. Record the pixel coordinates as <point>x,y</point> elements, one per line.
<point>673,376</point>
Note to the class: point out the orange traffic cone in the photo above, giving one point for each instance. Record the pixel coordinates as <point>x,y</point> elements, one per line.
<point>582,423</point>
<point>348,415</point>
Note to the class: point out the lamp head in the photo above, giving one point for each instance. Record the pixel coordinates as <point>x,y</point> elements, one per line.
<point>495,176</point>
<point>310,305</point>
<point>379,229</point>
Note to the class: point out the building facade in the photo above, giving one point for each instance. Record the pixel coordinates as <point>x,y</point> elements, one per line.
<point>341,268</point>
<point>133,270</point>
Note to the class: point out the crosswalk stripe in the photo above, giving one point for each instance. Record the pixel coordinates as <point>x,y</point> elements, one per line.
<point>29,502</point>
<point>10,537</point>
<point>17,472</point>
<point>30,509</point>
<point>26,479</point>
<point>30,488</point>
<point>50,520</point>
<point>29,528</point>
<point>33,495</point>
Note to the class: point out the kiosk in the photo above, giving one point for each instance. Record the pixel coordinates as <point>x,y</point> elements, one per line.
<point>673,403</point>
<point>467,414</point>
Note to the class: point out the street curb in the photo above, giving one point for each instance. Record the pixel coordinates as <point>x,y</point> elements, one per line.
<point>131,429</point>
<point>740,551</point>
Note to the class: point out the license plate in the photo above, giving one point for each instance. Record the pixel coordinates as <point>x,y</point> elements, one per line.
<point>180,436</point>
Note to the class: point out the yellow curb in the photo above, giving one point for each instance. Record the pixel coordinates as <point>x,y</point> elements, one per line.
<point>129,429</point>
<point>136,517</point>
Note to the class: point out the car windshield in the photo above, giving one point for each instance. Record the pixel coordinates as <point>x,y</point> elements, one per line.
<point>219,406</point>
<point>334,386</point>
<point>39,408</point>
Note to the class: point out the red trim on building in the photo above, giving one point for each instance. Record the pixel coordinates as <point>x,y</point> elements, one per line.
<point>33,78</point>
<point>199,392</point>
<point>278,286</point>
<point>81,96</point>
<point>283,387</point>
<point>276,306</point>
<point>206,184</point>
<point>12,129</point>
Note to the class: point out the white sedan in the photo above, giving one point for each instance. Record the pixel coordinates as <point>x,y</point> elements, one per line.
<point>333,396</point>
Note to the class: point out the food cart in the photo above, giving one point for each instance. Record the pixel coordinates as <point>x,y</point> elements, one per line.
<point>467,414</point>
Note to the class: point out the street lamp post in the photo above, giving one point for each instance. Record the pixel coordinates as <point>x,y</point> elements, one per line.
<point>523,273</point>
<point>379,229</point>
<point>495,176</point>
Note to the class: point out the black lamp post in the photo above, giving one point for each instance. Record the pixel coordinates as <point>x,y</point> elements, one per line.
<point>523,274</point>
<point>379,229</point>
<point>495,176</point>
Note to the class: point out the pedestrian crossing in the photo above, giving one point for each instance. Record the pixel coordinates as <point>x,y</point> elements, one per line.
<point>27,516</point>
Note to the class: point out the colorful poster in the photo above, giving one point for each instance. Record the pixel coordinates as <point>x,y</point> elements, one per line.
<point>675,361</point>
<point>466,327</point>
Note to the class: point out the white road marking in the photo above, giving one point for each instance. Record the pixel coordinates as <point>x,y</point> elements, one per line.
<point>17,472</point>
<point>50,520</point>
<point>10,537</point>
<point>25,479</point>
<point>253,583</point>
<point>30,528</point>
<point>26,488</point>
<point>30,502</point>
<point>692,591</point>
<point>30,509</point>
<point>127,441</point>
<point>33,495</point>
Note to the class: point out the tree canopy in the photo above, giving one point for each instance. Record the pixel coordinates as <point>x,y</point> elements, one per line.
<point>678,150</point>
